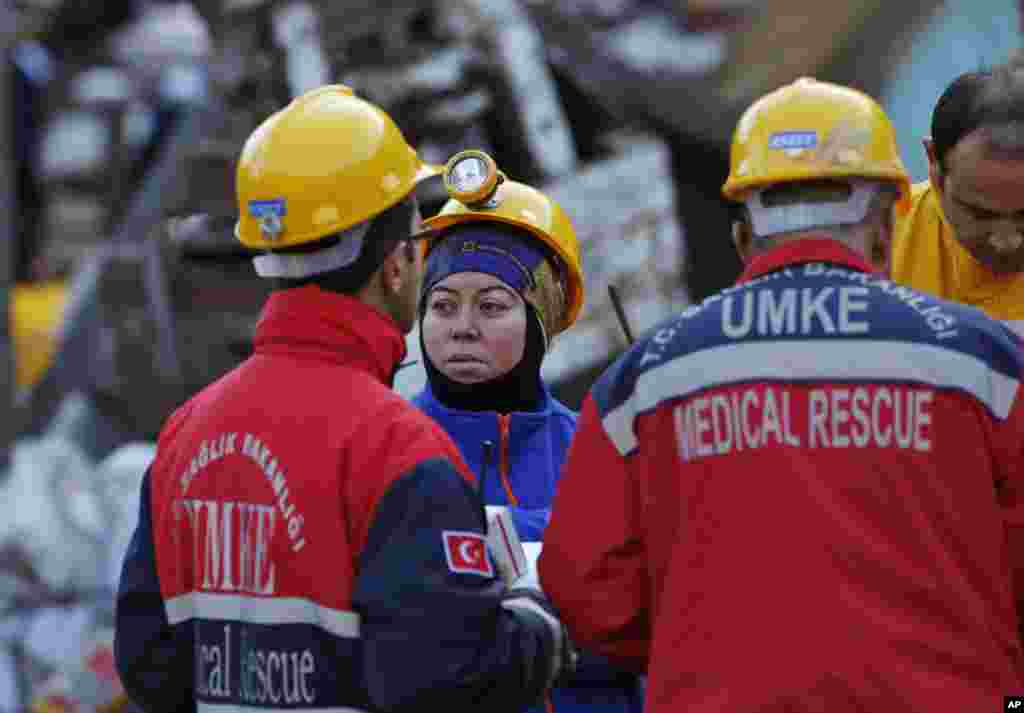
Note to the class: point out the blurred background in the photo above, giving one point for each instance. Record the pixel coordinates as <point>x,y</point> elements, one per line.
<point>120,124</point>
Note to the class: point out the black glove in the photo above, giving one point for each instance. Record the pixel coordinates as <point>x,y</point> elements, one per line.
<point>564,657</point>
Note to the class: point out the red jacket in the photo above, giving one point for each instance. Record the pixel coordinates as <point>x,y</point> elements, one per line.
<point>803,494</point>
<point>308,539</point>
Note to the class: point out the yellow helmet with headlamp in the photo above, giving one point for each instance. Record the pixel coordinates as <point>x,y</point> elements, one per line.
<point>479,191</point>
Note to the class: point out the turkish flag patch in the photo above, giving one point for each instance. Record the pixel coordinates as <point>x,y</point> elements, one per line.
<point>466,553</point>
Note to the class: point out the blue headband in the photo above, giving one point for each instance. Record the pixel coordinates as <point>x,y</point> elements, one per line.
<point>492,248</point>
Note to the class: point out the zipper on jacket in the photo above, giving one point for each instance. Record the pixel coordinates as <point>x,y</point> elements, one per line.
<point>503,466</point>
<point>503,469</point>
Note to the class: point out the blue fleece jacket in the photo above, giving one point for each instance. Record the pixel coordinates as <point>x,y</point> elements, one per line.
<point>526,456</point>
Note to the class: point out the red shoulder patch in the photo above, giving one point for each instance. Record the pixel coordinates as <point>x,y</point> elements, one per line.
<point>466,553</point>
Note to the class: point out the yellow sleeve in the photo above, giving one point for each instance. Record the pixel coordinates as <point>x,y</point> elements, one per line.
<point>918,258</point>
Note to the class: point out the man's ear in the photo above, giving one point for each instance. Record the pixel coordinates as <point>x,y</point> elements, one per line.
<point>880,247</point>
<point>935,174</point>
<point>879,240</point>
<point>743,239</point>
<point>394,270</point>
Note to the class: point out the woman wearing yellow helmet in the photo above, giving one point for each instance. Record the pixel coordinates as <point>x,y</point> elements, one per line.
<point>503,277</point>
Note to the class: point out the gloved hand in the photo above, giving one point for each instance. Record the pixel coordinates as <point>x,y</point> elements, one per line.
<point>565,656</point>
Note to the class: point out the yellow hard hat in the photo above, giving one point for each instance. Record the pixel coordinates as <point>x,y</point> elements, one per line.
<point>326,162</point>
<point>811,130</point>
<point>480,192</point>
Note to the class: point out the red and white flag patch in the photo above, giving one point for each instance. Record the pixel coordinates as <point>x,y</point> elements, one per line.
<point>466,553</point>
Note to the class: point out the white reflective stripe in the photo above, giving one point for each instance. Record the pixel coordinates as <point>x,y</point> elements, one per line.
<point>1017,325</point>
<point>202,707</point>
<point>618,424</point>
<point>259,610</point>
<point>876,361</point>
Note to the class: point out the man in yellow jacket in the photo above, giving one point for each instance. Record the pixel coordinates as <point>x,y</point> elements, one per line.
<point>963,238</point>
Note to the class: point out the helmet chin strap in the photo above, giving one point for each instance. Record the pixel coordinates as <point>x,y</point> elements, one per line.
<point>771,220</point>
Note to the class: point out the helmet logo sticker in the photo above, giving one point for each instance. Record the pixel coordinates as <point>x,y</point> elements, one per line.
<point>269,214</point>
<point>794,143</point>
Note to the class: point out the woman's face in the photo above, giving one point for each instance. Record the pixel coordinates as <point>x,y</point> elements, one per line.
<point>474,327</point>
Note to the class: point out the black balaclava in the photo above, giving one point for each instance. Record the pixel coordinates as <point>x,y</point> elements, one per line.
<point>513,257</point>
<point>519,389</point>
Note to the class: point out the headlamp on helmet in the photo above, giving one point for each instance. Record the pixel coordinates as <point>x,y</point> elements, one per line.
<point>472,177</point>
<point>479,191</point>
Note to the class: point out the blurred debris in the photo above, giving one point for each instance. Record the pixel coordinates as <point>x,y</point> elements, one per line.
<point>625,213</point>
<point>470,73</point>
<point>51,510</point>
<point>442,73</point>
<point>657,43</point>
<point>166,33</point>
<point>148,325</point>
<point>656,89</point>
<point>297,30</point>
<point>635,86</point>
<point>86,680</point>
<point>216,298</point>
<point>527,111</point>
<point>67,521</point>
<point>598,13</point>
<point>8,256</point>
<point>361,32</point>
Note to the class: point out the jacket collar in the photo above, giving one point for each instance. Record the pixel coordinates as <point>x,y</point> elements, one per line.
<point>804,251</point>
<point>547,404</point>
<point>332,327</point>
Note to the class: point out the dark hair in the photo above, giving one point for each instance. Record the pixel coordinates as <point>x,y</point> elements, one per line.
<point>379,242</point>
<point>987,97</point>
<point>816,191</point>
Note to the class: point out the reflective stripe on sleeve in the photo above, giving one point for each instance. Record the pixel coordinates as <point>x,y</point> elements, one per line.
<point>258,610</point>
<point>202,707</point>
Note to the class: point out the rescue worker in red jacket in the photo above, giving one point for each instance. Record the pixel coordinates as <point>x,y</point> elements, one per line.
<point>805,493</point>
<point>308,539</point>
